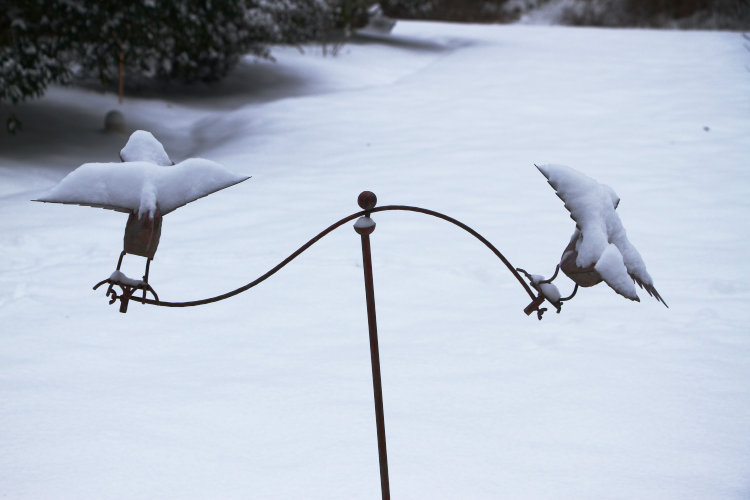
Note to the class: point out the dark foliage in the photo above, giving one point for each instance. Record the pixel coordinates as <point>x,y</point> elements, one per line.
<point>32,54</point>
<point>51,41</point>
<point>685,14</point>
<point>706,14</point>
<point>349,14</point>
<point>182,40</point>
<point>449,10</point>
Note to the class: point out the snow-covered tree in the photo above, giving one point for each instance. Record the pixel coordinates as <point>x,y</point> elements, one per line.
<point>184,40</point>
<point>350,14</point>
<point>31,53</point>
<point>199,40</point>
<point>407,8</point>
<point>41,41</point>
<point>296,21</point>
<point>49,41</point>
<point>452,10</point>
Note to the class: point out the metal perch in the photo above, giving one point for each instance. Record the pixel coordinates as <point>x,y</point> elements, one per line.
<point>367,201</point>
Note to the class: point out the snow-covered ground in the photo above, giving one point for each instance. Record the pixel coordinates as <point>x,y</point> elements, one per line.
<point>268,394</point>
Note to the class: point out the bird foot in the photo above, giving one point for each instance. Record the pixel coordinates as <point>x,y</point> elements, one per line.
<point>546,291</point>
<point>128,286</point>
<point>534,306</point>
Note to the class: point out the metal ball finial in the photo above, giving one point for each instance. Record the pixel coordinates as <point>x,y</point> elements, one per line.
<point>367,200</point>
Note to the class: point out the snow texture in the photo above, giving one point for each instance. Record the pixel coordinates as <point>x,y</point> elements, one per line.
<point>613,271</point>
<point>549,290</point>
<point>601,240</point>
<point>120,277</point>
<point>364,222</point>
<point>141,186</point>
<point>143,146</point>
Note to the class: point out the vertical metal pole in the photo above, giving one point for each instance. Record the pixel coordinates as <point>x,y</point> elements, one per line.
<point>364,227</point>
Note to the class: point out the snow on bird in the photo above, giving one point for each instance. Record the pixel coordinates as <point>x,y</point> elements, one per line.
<point>145,180</point>
<point>143,146</point>
<point>599,249</point>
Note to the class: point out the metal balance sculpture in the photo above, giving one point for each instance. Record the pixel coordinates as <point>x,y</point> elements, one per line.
<point>147,185</point>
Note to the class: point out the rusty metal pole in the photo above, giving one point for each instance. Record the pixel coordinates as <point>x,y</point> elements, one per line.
<point>364,227</point>
<point>121,86</point>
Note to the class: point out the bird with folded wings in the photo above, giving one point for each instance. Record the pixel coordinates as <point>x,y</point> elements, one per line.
<point>599,249</point>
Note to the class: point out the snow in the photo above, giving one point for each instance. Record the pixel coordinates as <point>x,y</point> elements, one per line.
<point>364,223</point>
<point>269,394</point>
<point>120,277</point>
<point>143,146</point>
<point>141,186</point>
<point>591,206</point>
<point>611,267</point>
<point>600,238</point>
<point>550,290</point>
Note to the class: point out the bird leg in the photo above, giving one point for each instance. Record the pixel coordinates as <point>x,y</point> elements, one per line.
<point>546,291</point>
<point>550,280</point>
<point>575,289</point>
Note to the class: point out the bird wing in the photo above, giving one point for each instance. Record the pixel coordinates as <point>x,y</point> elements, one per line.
<point>636,267</point>
<point>632,259</point>
<point>603,241</point>
<point>650,290</point>
<point>611,268</point>
<point>140,186</point>
<point>589,205</point>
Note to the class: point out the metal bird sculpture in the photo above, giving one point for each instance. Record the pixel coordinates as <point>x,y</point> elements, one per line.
<point>146,185</point>
<point>599,249</point>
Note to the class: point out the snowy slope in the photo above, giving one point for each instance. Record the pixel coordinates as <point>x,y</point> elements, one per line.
<point>268,394</point>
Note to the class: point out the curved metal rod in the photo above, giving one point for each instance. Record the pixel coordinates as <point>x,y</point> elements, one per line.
<point>550,280</point>
<point>468,230</point>
<point>575,289</point>
<point>323,233</point>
